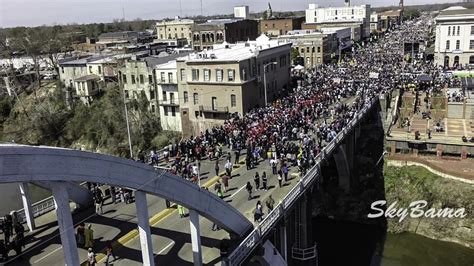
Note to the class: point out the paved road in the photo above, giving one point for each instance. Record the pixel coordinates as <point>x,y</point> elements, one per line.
<point>170,233</point>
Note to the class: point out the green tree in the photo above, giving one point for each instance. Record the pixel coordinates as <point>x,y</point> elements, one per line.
<point>294,54</point>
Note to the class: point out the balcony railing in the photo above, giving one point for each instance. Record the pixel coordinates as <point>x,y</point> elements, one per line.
<point>213,109</point>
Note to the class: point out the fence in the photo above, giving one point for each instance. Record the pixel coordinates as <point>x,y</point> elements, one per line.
<point>242,251</point>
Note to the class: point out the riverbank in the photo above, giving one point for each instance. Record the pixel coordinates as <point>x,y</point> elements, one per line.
<point>411,183</point>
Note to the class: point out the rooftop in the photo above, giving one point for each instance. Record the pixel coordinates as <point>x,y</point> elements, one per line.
<point>88,77</point>
<point>220,21</point>
<point>119,34</point>
<point>234,52</point>
<point>455,13</point>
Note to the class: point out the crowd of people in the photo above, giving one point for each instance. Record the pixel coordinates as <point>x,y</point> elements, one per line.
<point>294,129</point>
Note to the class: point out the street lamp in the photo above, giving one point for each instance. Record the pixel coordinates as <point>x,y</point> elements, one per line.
<point>265,79</point>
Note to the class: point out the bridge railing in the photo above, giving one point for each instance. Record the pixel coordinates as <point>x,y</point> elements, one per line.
<point>39,208</point>
<point>242,251</point>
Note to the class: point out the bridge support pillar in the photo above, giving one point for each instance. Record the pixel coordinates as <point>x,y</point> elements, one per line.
<point>27,207</point>
<point>144,228</point>
<point>343,167</point>
<point>195,237</point>
<point>66,227</point>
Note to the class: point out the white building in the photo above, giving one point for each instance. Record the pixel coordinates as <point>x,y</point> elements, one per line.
<point>454,43</point>
<point>175,29</point>
<point>340,15</point>
<point>167,85</point>
<point>241,12</point>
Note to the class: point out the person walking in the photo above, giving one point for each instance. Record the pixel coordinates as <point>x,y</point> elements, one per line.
<point>264,181</point>
<point>216,167</point>
<point>280,179</point>
<point>80,235</point>
<point>270,202</point>
<point>89,237</point>
<point>228,168</point>
<point>218,189</point>
<point>258,216</point>
<point>181,211</point>
<point>256,179</point>
<point>284,170</point>
<point>248,162</point>
<point>249,188</point>
<point>98,199</point>
<point>91,260</point>
<point>17,245</point>
<point>225,182</point>
<point>110,253</point>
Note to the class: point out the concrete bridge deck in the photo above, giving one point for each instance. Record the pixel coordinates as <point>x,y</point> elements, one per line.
<point>170,234</point>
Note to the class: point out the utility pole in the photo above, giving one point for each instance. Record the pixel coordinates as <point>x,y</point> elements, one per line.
<point>201,7</point>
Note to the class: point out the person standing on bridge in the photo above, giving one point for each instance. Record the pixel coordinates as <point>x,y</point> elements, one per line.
<point>91,260</point>
<point>264,181</point>
<point>109,252</point>
<point>216,167</point>
<point>256,179</point>
<point>249,188</point>
<point>228,168</point>
<point>89,237</point>
<point>98,199</point>
<point>270,202</point>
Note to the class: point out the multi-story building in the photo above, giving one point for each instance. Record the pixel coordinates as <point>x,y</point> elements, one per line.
<point>389,18</point>
<point>168,96</point>
<point>280,26</point>
<point>241,12</point>
<point>217,31</point>
<point>230,79</point>
<point>138,75</point>
<point>357,16</point>
<point>177,29</point>
<point>454,43</point>
<point>314,47</point>
<point>375,22</point>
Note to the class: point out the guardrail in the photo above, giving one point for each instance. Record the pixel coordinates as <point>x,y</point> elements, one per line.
<point>242,251</point>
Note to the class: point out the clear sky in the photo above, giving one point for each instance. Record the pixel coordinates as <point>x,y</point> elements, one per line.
<point>48,12</point>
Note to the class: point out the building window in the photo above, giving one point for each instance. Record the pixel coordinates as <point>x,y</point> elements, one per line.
<point>318,60</point>
<point>307,49</point>
<point>195,74</point>
<point>164,96</point>
<point>170,77</point>
<point>126,94</point>
<point>219,75</point>
<point>152,95</point>
<point>150,79</point>
<point>471,60</point>
<point>471,44</point>
<point>449,30</point>
<point>214,103</point>
<point>173,110</point>
<point>133,79</point>
<point>172,97</point>
<point>195,98</point>
<point>166,110</point>
<point>302,50</point>
<point>319,49</point>
<point>62,70</point>
<point>313,49</point>
<point>90,69</point>
<point>124,78</point>
<point>233,100</point>
<point>207,75</point>
<point>153,108</point>
<point>162,76</point>
<point>185,97</point>
<point>459,30</point>
<point>458,44</point>
<point>472,30</point>
<point>183,74</point>
<point>99,69</point>
<point>230,74</point>
<point>447,44</point>
<point>142,79</point>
